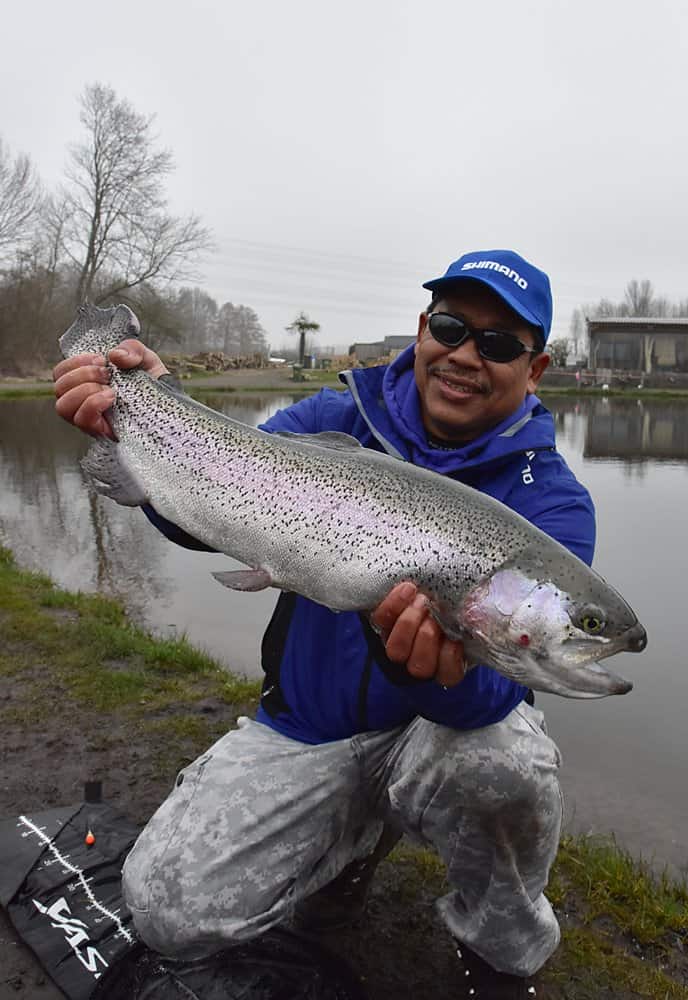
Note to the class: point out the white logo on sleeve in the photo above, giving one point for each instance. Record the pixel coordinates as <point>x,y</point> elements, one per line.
<point>527,473</point>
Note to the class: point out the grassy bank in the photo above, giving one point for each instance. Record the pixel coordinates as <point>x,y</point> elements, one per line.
<point>12,392</point>
<point>200,386</point>
<point>90,653</point>
<point>315,380</point>
<point>596,392</point>
<point>135,708</point>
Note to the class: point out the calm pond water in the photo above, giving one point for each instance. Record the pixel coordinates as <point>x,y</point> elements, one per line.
<point>624,758</point>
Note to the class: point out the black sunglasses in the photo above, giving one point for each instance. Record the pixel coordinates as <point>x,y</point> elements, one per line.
<point>492,345</point>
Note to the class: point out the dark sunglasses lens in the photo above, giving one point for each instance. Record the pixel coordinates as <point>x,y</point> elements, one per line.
<point>492,345</point>
<point>495,346</point>
<point>448,330</point>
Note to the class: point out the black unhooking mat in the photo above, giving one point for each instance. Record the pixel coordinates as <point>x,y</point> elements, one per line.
<point>60,885</point>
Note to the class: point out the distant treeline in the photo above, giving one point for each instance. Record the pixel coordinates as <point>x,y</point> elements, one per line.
<point>106,235</point>
<point>37,304</point>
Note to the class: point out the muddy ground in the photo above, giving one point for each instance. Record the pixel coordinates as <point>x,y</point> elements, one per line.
<point>400,949</point>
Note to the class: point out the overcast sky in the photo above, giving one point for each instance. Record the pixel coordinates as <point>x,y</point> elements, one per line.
<point>345,153</point>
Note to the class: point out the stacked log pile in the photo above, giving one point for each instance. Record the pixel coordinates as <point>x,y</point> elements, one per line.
<point>213,361</point>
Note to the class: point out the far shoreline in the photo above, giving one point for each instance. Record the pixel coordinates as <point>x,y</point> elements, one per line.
<point>280,380</point>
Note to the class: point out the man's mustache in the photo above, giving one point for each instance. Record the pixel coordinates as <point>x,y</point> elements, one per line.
<point>451,372</point>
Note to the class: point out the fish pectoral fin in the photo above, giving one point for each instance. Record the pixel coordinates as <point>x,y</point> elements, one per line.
<point>245,579</point>
<point>111,476</point>
<point>324,439</point>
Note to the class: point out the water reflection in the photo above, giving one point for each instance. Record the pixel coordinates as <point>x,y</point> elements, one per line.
<point>54,522</point>
<point>253,408</point>
<point>635,430</point>
<point>624,757</point>
<point>631,430</point>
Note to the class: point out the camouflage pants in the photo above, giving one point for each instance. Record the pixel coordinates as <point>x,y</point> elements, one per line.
<point>260,821</point>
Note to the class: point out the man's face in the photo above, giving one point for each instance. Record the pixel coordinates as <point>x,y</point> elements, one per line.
<point>461,394</point>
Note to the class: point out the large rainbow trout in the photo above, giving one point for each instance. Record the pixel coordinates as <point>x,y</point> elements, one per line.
<point>341,524</point>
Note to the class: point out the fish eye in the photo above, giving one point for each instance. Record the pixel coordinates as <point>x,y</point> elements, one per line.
<point>592,621</point>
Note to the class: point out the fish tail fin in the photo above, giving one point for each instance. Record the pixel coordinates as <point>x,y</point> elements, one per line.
<point>97,330</point>
<point>111,476</point>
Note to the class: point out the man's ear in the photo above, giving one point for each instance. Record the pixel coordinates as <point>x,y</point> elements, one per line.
<point>422,327</point>
<point>536,371</point>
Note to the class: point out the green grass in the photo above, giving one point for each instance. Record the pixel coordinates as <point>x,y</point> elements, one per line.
<point>86,643</point>
<point>609,903</point>
<point>588,963</point>
<point>613,883</point>
<point>14,393</point>
<point>315,380</point>
<point>202,392</point>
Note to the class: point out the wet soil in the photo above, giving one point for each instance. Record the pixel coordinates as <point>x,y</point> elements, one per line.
<point>399,948</point>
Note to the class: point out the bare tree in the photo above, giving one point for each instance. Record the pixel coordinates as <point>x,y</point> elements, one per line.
<point>578,333</point>
<point>198,316</point>
<point>162,323</point>
<point>240,331</point>
<point>118,232</point>
<point>559,351</point>
<point>639,298</point>
<point>302,325</point>
<point>604,309</point>
<point>20,198</point>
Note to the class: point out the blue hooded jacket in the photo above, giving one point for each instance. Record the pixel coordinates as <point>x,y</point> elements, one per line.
<point>326,674</point>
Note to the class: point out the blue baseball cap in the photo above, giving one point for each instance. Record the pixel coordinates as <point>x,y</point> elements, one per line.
<point>522,286</point>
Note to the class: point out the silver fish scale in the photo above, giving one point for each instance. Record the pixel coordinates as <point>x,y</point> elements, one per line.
<point>338,526</point>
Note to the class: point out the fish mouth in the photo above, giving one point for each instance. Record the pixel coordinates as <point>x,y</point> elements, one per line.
<point>587,677</point>
<point>573,672</point>
<point>580,680</point>
<point>598,681</point>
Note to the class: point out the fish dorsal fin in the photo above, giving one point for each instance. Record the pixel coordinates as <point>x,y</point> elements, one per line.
<point>324,439</point>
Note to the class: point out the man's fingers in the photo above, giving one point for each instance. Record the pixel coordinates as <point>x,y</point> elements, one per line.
<point>128,354</point>
<point>77,361</point>
<point>70,401</point>
<point>82,384</point>
<point>90,415</point>
<point>424,655</point>
<point>451,665</point>
<point>134,354</point>
<point>91,375</point>
<point>403,633</point>
<point>84,407</point>
<point>413,637</point>
<point>386,613</point>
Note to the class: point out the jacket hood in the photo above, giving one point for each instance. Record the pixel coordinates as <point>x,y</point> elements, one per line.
<point>387,398</point>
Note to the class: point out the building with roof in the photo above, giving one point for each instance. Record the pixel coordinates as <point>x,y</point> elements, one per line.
<point>378,349</point>
<point>642,345</point>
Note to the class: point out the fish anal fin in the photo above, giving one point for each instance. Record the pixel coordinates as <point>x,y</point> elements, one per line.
<point>245,579</point>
